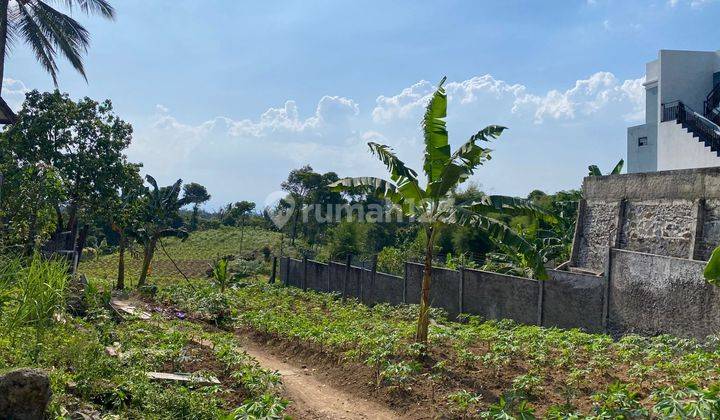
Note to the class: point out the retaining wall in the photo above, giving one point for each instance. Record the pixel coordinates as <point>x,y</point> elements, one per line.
<point>669,213</point>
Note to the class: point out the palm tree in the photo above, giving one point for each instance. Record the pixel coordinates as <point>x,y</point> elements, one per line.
<point>160,212</point>
<point>48,31</point>
<point>433,206</point>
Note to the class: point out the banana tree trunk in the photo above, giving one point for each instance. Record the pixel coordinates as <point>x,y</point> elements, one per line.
<point>121,263</point>
<point>147,259</point>
<point>421,334</point>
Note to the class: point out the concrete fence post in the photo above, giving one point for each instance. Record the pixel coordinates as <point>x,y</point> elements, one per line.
<point>373,273</point>
<point>361,289</point>
<point>606,295</point>
<point>696,229</point>
<point>327,270</point>
<point>286,280</point>
<point>461,289</point>
<point>619,222</point>
<point>541,301</point>
<point>577,234</point>
<point>305,272</point>
<point>348,262</point>
<point>274,270</point>
<point>405,281</point>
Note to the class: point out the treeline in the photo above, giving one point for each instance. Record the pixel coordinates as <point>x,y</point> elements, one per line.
<point>397,241</point>
<point>65,170</point>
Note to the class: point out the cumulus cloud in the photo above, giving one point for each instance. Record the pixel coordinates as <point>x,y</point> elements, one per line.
<point>249,157</point>
<point>13,91</point>
<point>331,110</point>
<point>586,97</point>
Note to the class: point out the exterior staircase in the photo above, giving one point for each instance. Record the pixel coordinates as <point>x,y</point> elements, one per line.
<point>703,127</point>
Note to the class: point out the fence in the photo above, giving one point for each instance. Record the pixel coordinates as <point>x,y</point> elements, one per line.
<point>639,293</point>
<point>564,301</point>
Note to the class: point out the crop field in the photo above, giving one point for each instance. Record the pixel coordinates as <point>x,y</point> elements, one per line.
<point>475,368</point>
<point>193,256</point>
<point>470,369</point>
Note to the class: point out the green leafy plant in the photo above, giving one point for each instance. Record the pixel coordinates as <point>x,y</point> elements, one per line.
<point>593,170</point>
<point>433,206</point>
<point>220,273</point>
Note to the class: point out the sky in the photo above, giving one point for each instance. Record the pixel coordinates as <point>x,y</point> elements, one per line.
<point>234,94</point>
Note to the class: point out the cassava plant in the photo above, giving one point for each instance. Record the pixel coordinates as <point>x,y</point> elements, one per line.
<point>433,205</point>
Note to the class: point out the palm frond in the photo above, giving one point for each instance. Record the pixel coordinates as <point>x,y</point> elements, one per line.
<point>437,148</point>
<point>405,178</point>
<point>500,233</point>
<point>463,162</point>
<point>67,35</point>
<point>508,205</point>
<point>34,35</point>
<point>90,7</point>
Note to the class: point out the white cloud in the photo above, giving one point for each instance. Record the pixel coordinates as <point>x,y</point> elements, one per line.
<point>330,110</point>
<point>695,4</point>
<point>246,158</point>
<point>13,91</point>
<point>586,97</point>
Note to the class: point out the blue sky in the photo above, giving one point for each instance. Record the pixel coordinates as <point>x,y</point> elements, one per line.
<point>234,94</point>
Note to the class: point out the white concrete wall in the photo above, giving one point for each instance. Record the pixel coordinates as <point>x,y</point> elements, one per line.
<point>678,149</point>
<point>640,158</point>
<point>686,76</point>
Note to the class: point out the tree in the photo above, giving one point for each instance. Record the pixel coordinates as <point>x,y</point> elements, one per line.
<point>298,184</point>
<point>32,192</point>
<point>432,205</point>
<point>48,31</point>
<point>199,195</point>
<point>123,215</point>
<point>161,209</point>
<point>84,143</point>
<point>307,187</point>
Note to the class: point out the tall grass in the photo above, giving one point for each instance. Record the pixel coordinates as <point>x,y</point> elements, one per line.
<point>32,292</point>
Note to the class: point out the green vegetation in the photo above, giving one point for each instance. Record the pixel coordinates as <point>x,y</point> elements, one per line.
<point>521,371</point>
<point>434,205</point>
<point>99,365</point>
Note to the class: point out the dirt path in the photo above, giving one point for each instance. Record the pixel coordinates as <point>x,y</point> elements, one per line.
<point>313,399</point>
<point>310,397</point>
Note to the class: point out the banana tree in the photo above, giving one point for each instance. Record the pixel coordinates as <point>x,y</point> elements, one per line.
<point>433,205</point>
<point>161,210</point>
<point>593,170</point>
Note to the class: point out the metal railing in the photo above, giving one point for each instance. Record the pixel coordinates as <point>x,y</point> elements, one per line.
<point>712,102</point>
<point>700,126</point>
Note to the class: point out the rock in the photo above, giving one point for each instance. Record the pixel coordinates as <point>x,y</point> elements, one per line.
<point>76,304</point>
<point>86,414</point>
<point>24,394</point>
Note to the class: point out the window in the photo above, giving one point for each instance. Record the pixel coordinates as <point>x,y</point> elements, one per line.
<point>642,141</point>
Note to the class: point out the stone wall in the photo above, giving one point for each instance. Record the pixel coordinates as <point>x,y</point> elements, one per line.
<point>670,213</point>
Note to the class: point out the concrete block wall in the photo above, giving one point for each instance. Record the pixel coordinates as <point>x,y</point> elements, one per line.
<point>670,213</point>
<point>653,294</point>
<point>566,300</point>
<point>640,293</point>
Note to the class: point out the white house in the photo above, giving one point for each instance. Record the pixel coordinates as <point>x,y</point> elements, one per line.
<point>682,113</point>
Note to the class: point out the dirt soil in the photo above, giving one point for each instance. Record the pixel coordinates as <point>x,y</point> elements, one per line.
<point>312,397</point>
